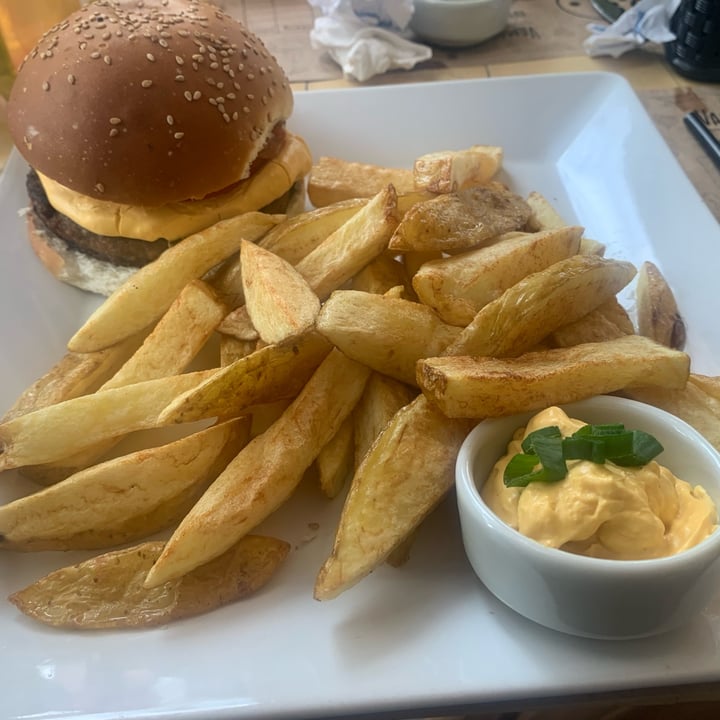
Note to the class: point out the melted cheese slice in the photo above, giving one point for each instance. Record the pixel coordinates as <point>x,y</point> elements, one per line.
<point>178,220</point>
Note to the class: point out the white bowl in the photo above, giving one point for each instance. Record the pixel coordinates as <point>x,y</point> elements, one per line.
<point>580,595</point>
<point>458,23</point>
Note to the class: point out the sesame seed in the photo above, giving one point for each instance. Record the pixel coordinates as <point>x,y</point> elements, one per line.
<point>114,132</point>
<point>179,60</point>
<point>250,76</point>
<point>150,57</point>
<point>100,187</point>
<point>188,95</point>
<point>180,78</point>
<point>170,120</point>
<point>162,43</point>
<point>46,85</point>
<point>197,95</point>
<point>107,60</point>
<point>95,55</point>
<point>212,101</point>
<point>146,83</point>
<point>115,120</point>
<point>226,117</point>
<point>246,109</point>
<point>214,66</point>
<point>71,79</point>
<point>230,96</point>
<point>179,135</point>
<point>235,115</point>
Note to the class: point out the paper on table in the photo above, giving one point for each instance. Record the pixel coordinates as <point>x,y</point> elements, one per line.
<point>364,37</point>
<point>647,21</point>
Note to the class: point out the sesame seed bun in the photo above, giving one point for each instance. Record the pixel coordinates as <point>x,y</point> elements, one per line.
<point>147,101</point>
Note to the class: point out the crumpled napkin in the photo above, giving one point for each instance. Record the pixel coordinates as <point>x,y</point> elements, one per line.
<point>364,37</point>
<point>646,21</point>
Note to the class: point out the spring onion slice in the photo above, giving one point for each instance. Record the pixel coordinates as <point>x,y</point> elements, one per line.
<point>545,451</point>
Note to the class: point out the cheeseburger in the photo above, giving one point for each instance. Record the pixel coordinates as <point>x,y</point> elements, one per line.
<point>144,121</point>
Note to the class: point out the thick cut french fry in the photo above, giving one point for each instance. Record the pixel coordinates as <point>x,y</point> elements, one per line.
<point>265,472</point>
<point>609,321</point>
<point>382,398</point>
<point>279,301</point>
<point>407,472</point>
<point>450,170</point>
<point>350,248</point>
<point>698,403</point>
<point>151,290</point>
<point>457,287</point>
<point>540,303</point>
<point>271,373</point>
<point>460,220</point>
<point>387,334</point>
<point>239,325</point>
<point>479,387</point>
<point>177,338</point>
<point>544,215</point>
<point>296,237</point>
<point>60,430</point>
<point>73,375</point>
<point>379,275</point>
<point>125,499</point>
<point>335,460</point>
<point>107,592</point>
<point>657,311</point>
<point>333,180</point>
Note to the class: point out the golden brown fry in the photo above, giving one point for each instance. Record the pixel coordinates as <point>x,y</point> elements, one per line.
<point>457,287</point>
<point>478,387</point>
<point>270,373</point>
<point>333,180</point>
<point>239,325</point>
<point>335,460</point>
<point>151,290</point>
<point>657,312</point>
<point>265,472</point>
<point>460,220</point>
<point>63,429</point>
<point>232,349</point>
<point>698,404</point>
<point>350,248</point>
<point>124,499</point>
<point>279,301</point>
<point>450,170</point>
<point>544,214</point>
<point>107,592</point>
<point>540,303</point>
<point>387,334</point>
<point>177,338</point>
<point>296,237</point>
<point>382,398</point>
<point>407,472</point>
<point>379,275</point>
<point>609,321</point>
<point>73,375</point>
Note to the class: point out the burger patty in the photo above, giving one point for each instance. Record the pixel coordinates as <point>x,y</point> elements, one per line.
<point>116,250</point>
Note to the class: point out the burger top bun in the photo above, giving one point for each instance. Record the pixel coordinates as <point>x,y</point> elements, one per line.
<point>147,101</point>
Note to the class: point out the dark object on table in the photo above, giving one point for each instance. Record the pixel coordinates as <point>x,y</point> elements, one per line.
<point>702,134</point>
<point>695,53</point>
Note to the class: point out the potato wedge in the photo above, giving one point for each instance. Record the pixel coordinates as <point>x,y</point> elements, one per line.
<point>296,237</point>
<point>73,375</point>
<point>151,290</point>
<point>609,321</point>
<point>382,398</point>
<point>66,428</point>
<point>450,170</point>
<point>124,499</point>
<point>265,472</point>
<point>177,338</point>
<point>540,303</point>
<point>335,460</point>
<point>239,325</point>
<point>279,301</point>
<point>698,404</point>
<point>386,334</point>
<point>657,311</point>
<point>379,275</point>
<point>350,248</point>
<point>457,287</point>
<point>334,180</point>
<point>407,472</point>
<point>107,592</point>
<point>460,220</point>
<point>479,387</point>
<point>232,349</point>
<point>268,374</point>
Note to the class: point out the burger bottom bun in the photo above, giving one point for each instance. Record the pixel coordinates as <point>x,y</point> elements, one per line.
<point>72,266</point>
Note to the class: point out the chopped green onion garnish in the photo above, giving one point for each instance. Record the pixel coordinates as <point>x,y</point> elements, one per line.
<point>545,451</point>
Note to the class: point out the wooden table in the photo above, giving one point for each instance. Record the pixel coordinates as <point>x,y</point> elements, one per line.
<point>543,36</point>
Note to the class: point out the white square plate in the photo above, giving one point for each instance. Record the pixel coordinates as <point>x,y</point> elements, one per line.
<point>427,637</point>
